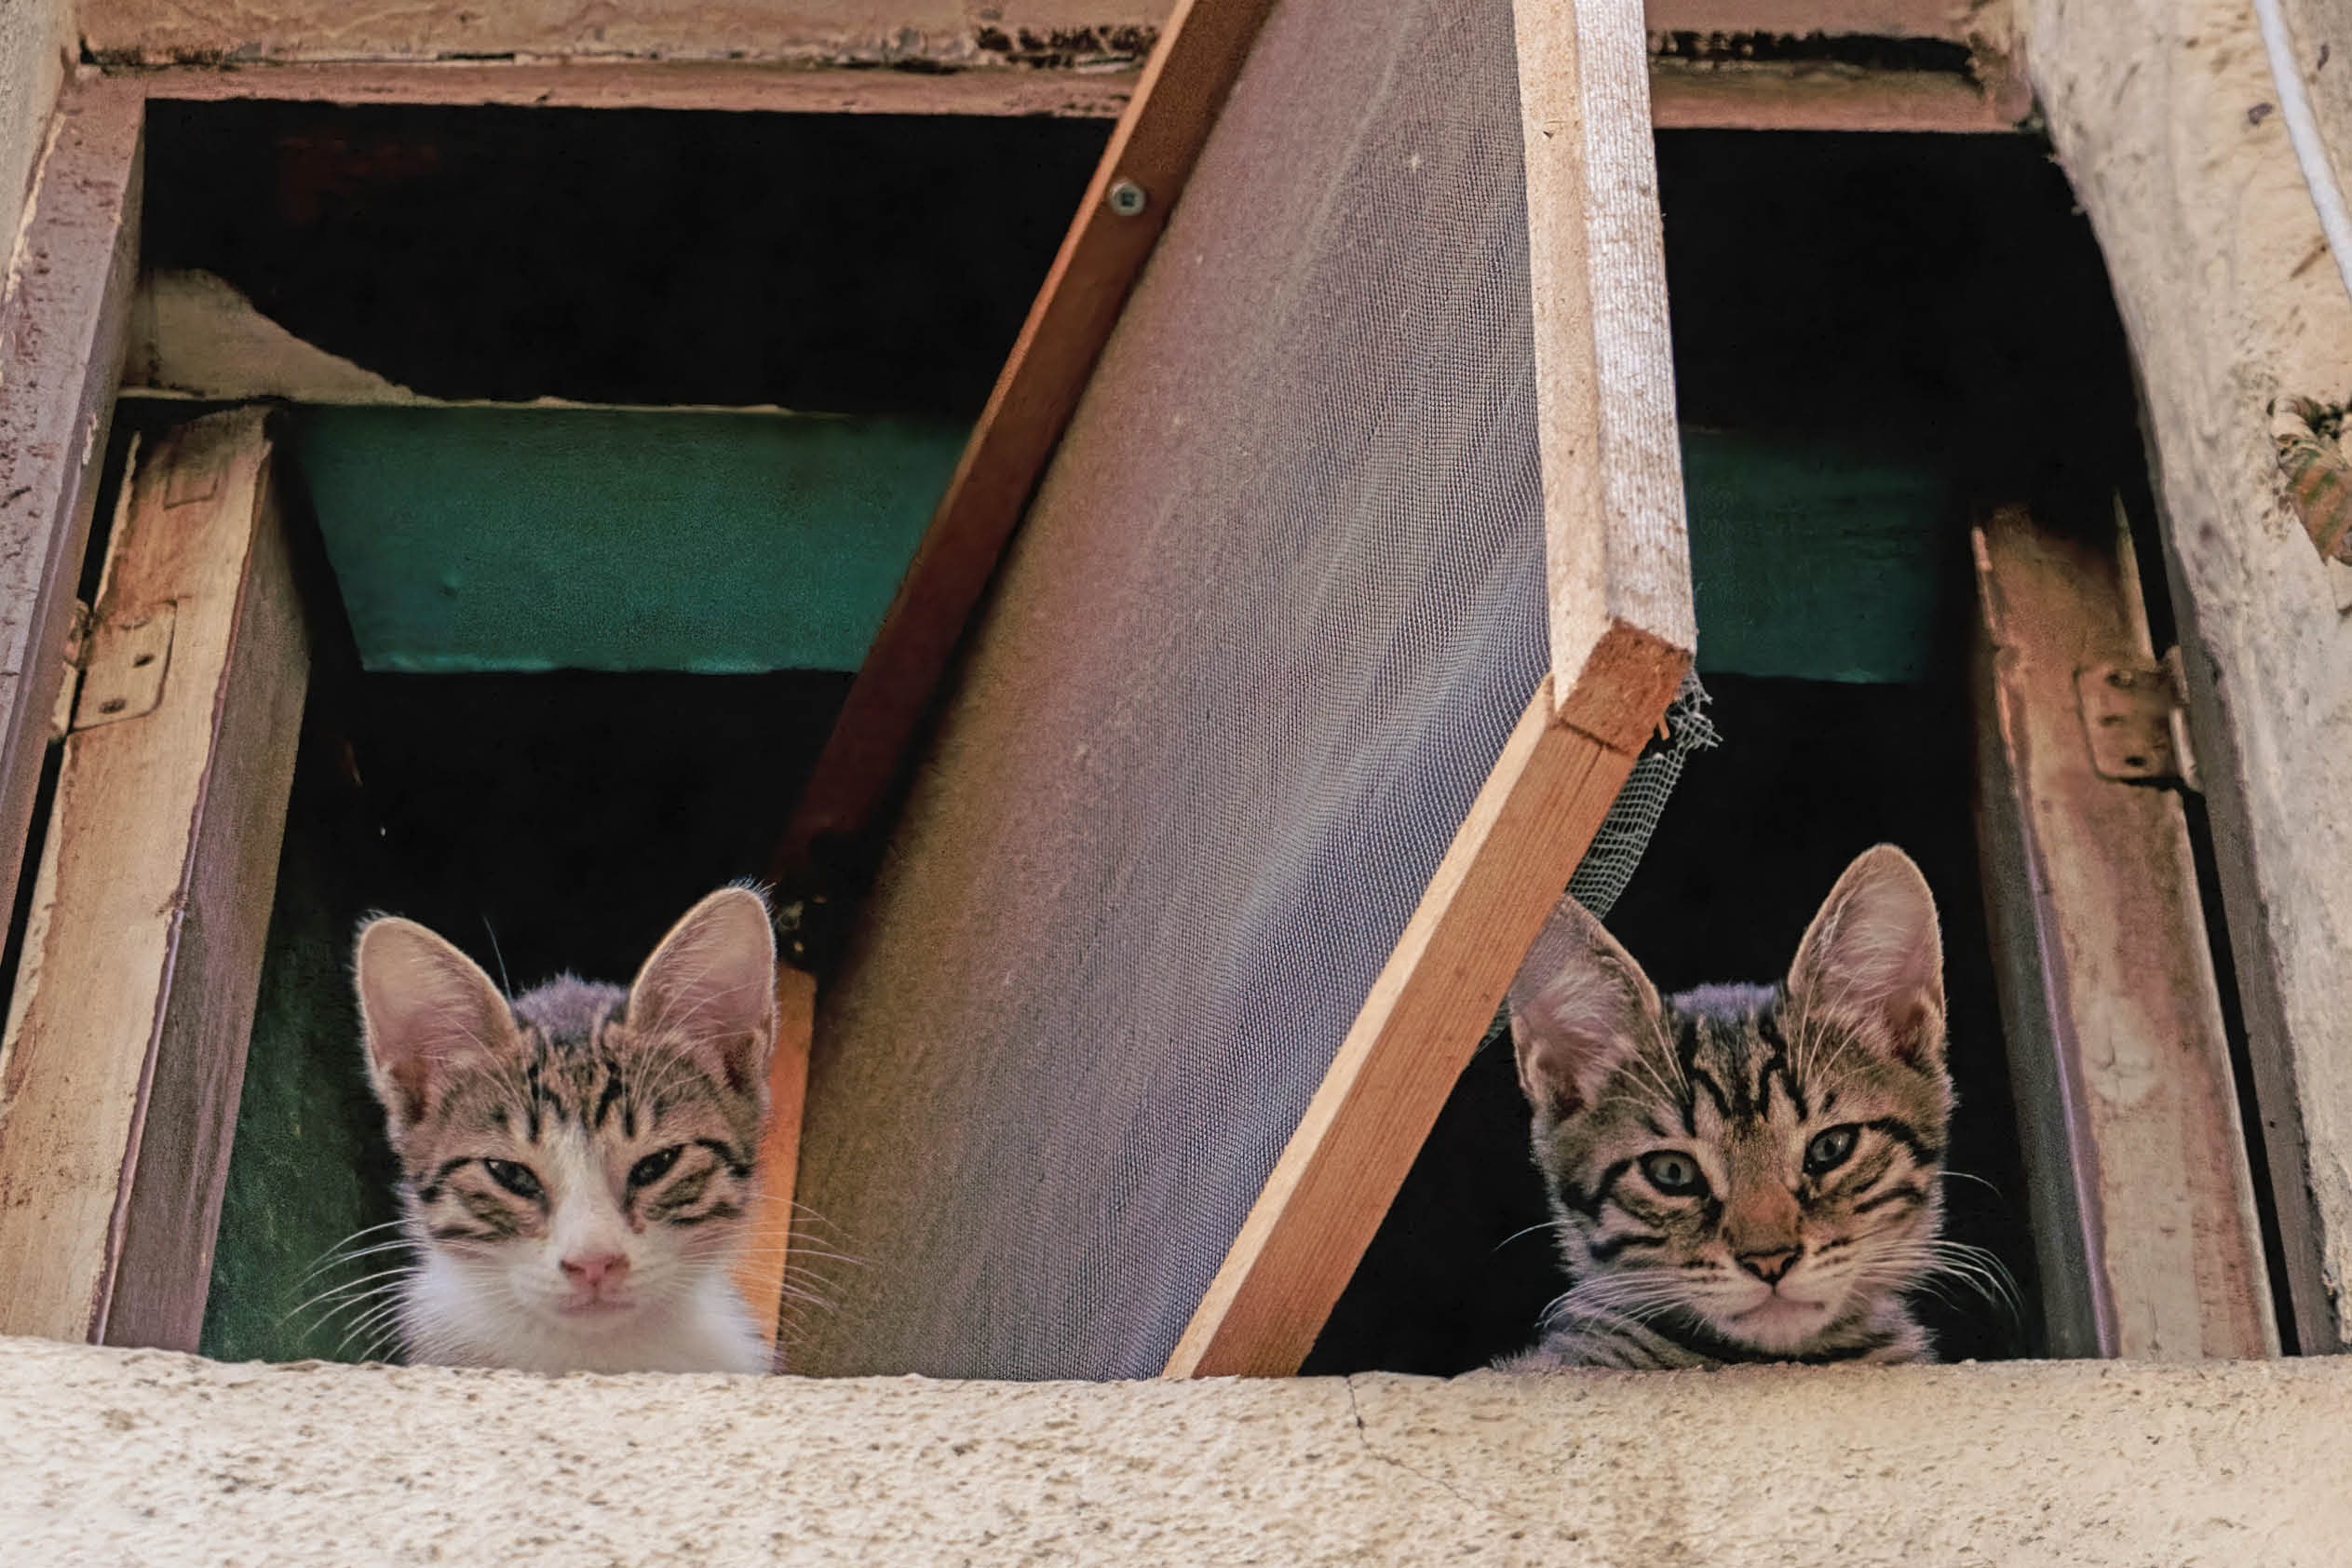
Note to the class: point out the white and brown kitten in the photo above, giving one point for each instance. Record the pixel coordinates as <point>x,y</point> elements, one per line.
<point>1743,1173</point>
<point>576,1163</point>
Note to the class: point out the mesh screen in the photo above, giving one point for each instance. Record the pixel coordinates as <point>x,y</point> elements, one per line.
<point>1275,606</point>
<point>1616,846</point>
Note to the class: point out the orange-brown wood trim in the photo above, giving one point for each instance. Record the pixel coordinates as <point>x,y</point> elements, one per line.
<point>761,1273</point>
<point>1529,825</point>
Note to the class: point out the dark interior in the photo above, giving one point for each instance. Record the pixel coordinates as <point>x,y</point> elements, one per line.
<point>629,256</point>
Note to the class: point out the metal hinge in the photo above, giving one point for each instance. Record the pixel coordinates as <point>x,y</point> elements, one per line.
<point>122,666</point>
<point>2137,722</point>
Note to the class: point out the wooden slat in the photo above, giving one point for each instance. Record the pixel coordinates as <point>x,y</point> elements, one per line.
<point>608,83</point>
<point>2141,1200</point>
<point>1687,97</point>
<point>64,311</point>
<point>760,1273</point>
<point>124,1048</point>
<point>1501,876</point>
<point>1183,86</point>
<point>1798,19</point>
<point>1614,539</point>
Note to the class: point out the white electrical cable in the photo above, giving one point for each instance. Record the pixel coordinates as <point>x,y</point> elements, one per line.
<point>2303,130</point>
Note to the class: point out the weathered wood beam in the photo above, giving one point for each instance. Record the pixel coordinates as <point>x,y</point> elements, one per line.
<point>65,313</point>
<point>878,37</point>
<point>1800,98</point>
<point>1616,544</point>
<point>1768,96</point>
<point>762,1272</point>
<point>2142,1201</point>
<point>126,1032</point>
<point>605,84</point>
<point>2230,300</point>
<point>1948,21</point>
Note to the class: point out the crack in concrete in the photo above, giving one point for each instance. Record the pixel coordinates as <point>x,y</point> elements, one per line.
<point>1483,1505</point>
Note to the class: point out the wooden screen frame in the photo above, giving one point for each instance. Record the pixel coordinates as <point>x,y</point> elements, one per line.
<point>1623,633</point>
<point>1621,623</point>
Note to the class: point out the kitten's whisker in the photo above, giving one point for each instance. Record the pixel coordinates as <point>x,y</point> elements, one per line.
<point>370,1323</point>
<point>1552,1225</point>
<point>505,982</point>
<point>402,1273</point>
<point>352,1257</point>
<point>336,1253</point>
<point>356,1304</point>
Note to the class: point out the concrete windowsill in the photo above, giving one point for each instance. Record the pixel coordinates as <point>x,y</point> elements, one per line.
<point>123,1456</point>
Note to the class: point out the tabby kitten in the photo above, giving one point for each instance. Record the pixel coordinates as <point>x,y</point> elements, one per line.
<point>1740,1172</point>
<point>576,1164</point>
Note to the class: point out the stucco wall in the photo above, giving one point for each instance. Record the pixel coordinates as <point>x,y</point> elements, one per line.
<point>948,32</point>
<point>113,1456</point>
<point>2179,155</point>
<point>33,35</point>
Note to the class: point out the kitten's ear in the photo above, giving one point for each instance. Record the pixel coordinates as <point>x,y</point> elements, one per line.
<point>711,983</point>
<point>422,1006</point>
<point>1874,955</point>
<point>1579,1006</point>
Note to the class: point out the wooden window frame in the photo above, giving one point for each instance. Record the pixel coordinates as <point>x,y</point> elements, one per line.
<point>63,328</point>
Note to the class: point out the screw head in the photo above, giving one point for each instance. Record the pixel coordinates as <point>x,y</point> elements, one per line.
<point>1127,198</point>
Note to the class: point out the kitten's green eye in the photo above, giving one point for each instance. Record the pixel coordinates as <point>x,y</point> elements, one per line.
<point>1829,1149</point>
<point>516,1179</point>
<point>1674,1172</point>
<point>655,1165</point>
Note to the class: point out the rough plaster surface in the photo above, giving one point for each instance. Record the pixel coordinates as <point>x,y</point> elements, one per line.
<point>148,1458</point>
<point>33,37</point>
<point>2230,299</point>
<point>194,333</point>
<point>941,32</point>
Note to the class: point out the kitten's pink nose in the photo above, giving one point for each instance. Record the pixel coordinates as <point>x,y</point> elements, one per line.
<point>1770,1267</point>
<point>595,1271</point>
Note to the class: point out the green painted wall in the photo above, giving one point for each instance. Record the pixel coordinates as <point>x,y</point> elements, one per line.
<point>1812,560</point>
<point>309,1175</point>
<point>471,539</point>
<point>517,539</point>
